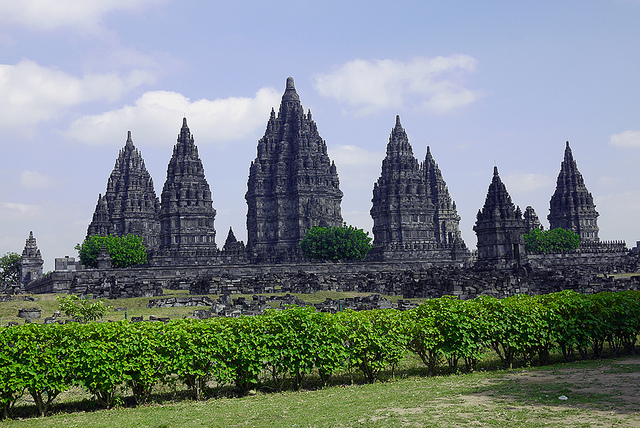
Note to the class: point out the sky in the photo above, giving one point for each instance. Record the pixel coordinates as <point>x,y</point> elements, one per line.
<point>482,83</point>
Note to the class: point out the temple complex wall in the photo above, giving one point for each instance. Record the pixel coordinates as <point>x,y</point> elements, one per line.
<point>581,271</point>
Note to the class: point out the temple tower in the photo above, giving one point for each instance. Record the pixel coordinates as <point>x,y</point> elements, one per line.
<point>446,220</point>
<point>531,220</point>
<point>413,214</point>
<point>186,212</point>
<point>31,262</point>
<point>402,210</point>
<point>130,204</point>
<point>571,206</point>
<point>499,228</point>
<point>292,185</point>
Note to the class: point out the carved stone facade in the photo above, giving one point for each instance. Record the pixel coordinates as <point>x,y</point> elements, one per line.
<point>500,228</point>
<point>445,218</point>
<point>413,214</point>
<point>292,185</point>
<point>31,262</point>
<point>130,204</point>
<point>186,213</point>
<point>571,206</point>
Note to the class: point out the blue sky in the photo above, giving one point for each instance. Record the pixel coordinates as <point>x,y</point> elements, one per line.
<point>482,83</point>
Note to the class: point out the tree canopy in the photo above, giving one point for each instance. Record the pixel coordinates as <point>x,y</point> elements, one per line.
<point>10,268</point>
<point>336,243</point>
<point>551,241</point>
<point>125,251</point>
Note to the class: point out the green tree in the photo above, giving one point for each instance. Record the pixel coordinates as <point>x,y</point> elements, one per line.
<point>551,241</point>
<point>336,243</point>
<point>10,268</point>
<point>82,310</point>
<point>125,251</point>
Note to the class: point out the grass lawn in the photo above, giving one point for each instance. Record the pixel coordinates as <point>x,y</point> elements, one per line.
<point>600,393</point>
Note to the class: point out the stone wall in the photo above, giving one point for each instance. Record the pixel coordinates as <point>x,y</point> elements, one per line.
<point>581,271</point>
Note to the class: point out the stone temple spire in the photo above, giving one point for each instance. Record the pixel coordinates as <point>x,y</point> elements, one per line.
<point>186,213</point>
<point>130,204</point>
<point>446,218</point>
<point>292,185</point>
<point>401,211</point>
<point>571,206</point>
<point>531,220</point>
<point>413,214</point>
<point>31,262</point>
<point>499,228</point>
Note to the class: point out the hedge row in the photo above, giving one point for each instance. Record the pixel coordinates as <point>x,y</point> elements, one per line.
<point>45,360</point>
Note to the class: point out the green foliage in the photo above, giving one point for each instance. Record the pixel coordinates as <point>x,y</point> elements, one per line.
<point>280,347</point>
<point>125,251</point>
<point>97,359</point>
<point>551,241</point>
<point>196,352</point>
<point>336,243</point>
<point>82,310</point>
<point>13,369</point>
<point>143,348</point>
<point>376,340</point>
<point>10,268</point>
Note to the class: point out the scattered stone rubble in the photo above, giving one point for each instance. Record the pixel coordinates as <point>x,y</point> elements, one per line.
<point>225,306</point>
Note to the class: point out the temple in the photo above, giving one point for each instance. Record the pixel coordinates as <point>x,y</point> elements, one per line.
<point>571,206</point>
<point>413,214</point>
<point>31,262</point>
<point>500,228</point>
<point>186,209</point>
<point>130,204</point>
<point>292,185</point>
<point>531,220</point>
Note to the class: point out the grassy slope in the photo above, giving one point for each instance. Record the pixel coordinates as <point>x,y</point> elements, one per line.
<point>522,398</point>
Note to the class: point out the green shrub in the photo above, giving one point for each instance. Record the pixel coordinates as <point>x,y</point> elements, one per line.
<point>551,241</point>
<point>82,310</point>
<point>125,251</point>
<point>336,243</point>
<point>376,340</point>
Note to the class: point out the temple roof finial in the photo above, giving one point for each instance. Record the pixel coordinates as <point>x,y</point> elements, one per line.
<point>290,93</point>
<point>495,171</point>
<point>129,139</point>
<point>184,122</point>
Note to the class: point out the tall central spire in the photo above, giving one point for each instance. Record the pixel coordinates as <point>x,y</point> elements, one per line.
<point>292,186</point>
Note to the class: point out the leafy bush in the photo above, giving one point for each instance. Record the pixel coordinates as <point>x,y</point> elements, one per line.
<point>125,251</point>
<point>82,310</point>
<point>376,340</point>
<point>551,241</point>
<point>336,243</point>
<point>271,349</point>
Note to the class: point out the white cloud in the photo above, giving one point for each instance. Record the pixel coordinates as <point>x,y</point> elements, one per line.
<point>31,93</point>
<point>357,167</point>
<point>626,139</point>
<point>18,211</point>
<point>83,15</point>
<point>156,118</point>
<point>433,85</point>
<point>524,183</point>
<point>33,180</point>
